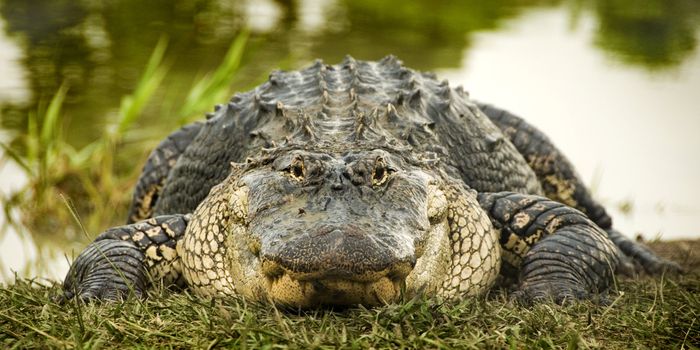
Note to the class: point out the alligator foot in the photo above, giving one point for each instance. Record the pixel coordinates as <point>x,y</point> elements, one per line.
<point>106,270</point>
<point>558,292</point>
<point>123,260</point>
<point>570,265</point>
<point>557,252</point>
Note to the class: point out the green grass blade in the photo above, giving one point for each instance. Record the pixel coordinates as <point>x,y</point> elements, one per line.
<point>132,105</point>
<point>16,158</point>
<point>214,87</point>
<point>81,159</point>
<point>51,118</point>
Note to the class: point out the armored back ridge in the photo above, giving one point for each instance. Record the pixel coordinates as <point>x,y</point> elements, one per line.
<point>352,184</point>
<point>376,104</point>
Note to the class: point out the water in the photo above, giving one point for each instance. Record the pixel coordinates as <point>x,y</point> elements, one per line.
<point>614,83</point>
<point>632,131</point>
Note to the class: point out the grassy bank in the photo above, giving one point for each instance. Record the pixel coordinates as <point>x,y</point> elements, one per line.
<point>650,314</point>
<point>644,313</point>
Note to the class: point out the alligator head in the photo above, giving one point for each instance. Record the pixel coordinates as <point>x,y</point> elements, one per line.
<point>304,226</point>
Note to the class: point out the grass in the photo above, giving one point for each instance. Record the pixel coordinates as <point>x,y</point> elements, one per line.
<point>649,314</point>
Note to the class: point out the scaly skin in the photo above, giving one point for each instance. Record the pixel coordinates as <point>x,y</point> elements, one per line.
<point>351,184</point>
<point>156,170</point>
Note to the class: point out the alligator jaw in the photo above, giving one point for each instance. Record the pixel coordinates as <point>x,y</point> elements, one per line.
<point>329,287</point>
<point>286,290</point>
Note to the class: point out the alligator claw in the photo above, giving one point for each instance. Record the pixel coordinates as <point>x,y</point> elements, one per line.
<point>560,293</point>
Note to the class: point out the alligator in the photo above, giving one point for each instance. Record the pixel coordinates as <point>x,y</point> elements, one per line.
<point>359,183</point>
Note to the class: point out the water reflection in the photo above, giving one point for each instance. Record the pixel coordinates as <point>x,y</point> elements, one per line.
<point>655,34</point>
<point>630,134</point>
<point>99,49</point>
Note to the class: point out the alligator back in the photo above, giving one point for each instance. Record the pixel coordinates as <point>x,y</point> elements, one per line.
<point>380,104</point>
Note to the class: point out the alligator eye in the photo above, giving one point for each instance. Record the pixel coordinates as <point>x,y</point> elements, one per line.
<point>296,169</point>
<point>380,172</point>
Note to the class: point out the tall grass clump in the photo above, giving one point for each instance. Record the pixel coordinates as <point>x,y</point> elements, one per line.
<point>43,142</point>
<point>214,87</point>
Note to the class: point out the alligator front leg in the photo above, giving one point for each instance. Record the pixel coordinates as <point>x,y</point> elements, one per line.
<point>556,251</point>
<point>127,259</point>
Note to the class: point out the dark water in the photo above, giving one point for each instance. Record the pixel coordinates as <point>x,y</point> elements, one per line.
<point>616,83</point>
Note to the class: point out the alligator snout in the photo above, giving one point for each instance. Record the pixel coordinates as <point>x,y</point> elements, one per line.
<point>342,253</point>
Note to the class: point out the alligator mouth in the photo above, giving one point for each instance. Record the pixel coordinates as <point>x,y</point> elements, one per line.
<point>333,287</point>
<point>332,263</point>
<point>287,290</point>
